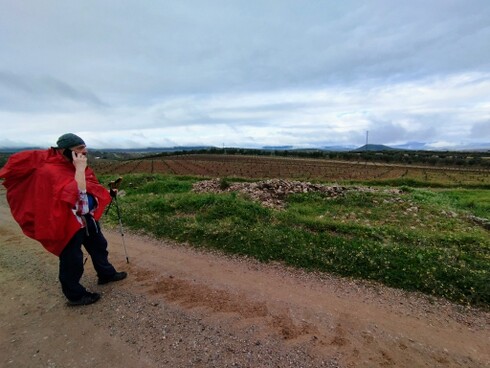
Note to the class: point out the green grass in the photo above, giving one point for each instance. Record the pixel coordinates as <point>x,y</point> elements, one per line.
<point>419,240</point>
<point>476,202</point>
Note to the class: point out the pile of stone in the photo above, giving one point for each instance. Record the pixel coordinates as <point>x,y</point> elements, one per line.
<point>480,221</point>
<point>270,193</point>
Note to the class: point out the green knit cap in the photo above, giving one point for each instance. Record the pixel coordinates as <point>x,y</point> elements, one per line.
<point>69,140</point>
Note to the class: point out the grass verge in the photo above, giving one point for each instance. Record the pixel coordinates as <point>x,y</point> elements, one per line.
<point>421,239</point>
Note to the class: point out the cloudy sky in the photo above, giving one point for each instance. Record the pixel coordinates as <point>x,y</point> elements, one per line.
<point>245,73</point>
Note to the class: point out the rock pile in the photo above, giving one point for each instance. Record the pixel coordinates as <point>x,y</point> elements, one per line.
<point>480,221</point>
<point>270,193</point>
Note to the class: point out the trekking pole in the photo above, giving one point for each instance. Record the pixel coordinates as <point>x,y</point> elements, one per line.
<point>121,229</point>
<point>113,186</point>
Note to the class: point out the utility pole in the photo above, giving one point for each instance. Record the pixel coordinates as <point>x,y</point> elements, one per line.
<point>367,136</point>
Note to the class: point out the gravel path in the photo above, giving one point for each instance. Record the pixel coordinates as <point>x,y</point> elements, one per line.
<point>183,308</point>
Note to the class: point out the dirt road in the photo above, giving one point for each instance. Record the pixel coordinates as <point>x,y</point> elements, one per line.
<point>184,308</point>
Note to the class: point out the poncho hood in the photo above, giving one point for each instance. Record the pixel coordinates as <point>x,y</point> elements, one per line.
<point>42,191</point>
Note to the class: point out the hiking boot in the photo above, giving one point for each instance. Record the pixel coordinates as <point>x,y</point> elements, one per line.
<point>88,298</point>
<point>116,277</point>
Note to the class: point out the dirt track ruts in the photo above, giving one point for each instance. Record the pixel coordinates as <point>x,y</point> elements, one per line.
<point>184,308</point>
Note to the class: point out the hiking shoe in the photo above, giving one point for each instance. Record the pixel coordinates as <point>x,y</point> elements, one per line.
<point>88,298</point>
<point>116,277</point>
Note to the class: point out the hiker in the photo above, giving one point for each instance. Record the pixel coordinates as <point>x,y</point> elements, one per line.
<point>57,200</point>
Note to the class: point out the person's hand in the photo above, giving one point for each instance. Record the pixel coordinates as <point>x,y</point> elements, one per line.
<point>79,161</point>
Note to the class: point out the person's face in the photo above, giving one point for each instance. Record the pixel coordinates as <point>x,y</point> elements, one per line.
<point>80,149</point>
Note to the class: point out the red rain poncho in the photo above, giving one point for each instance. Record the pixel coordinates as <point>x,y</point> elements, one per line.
<point>41,192</point>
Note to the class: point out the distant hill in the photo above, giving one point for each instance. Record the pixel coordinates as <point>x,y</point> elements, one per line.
<point>278,148</point>
<point>153,149</point>
<point>337,148</point>
<point>375,147</point>
<point>414,146</point>
<point>417,146</point>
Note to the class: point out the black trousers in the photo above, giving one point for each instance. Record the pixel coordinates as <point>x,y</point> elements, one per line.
<point>71,259</point>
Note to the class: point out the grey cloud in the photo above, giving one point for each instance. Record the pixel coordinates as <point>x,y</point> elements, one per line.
<point>270,107</point>
<point>181,47</point>
<point>381,41</point>
<point>10,143</point>
<point>119,62</point>
<point>385,132</point>
<point>28,93</point>
<point>481,130</point>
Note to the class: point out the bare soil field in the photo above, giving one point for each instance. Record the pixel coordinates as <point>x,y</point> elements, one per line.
<point>180,307</point>
<point>259,167</point>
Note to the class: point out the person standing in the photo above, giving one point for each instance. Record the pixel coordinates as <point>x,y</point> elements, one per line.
<point>57,200</point>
